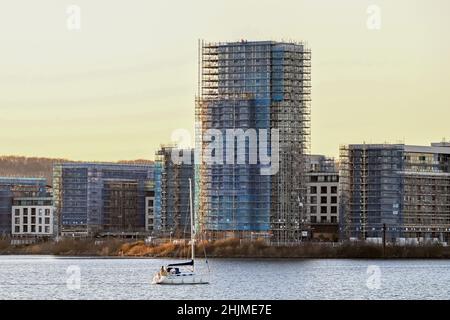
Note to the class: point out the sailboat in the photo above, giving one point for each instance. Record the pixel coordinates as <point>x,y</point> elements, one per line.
<point>183,273</point>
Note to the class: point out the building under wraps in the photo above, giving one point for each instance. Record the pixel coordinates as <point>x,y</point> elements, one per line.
<point>171,210</point>
<point>400,191</point>
<point>254,85</point>
<point>110,198</point>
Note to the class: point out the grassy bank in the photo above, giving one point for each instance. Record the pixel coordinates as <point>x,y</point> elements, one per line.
<point>230,248</point>
<point>66,247</point>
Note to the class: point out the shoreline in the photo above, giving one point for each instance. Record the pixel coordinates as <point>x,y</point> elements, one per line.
<point>222,249</point>
<point>218,258</point>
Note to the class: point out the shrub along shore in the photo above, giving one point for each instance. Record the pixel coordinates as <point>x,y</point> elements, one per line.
<point>229,248</point>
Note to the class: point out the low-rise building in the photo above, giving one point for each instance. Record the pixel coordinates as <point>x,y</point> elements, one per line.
<point>400,192</point>
<point>322,198</point>
<point>14,187</point>
<point>101,198</point>
<point>32,217</point>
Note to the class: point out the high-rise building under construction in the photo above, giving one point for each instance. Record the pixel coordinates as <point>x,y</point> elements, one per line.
<point>260,86</point>
<point>172,207</point>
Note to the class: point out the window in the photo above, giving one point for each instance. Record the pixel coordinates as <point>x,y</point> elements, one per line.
<point>25,228</point>
<point>33,211</point>
<point>17,212</point>
<point>333,219</point>
<point>334,189</point>
<point>47,229</point>
<point>33,220</point>
<point>323,219</point>
<point>40,220</point>
<point>313,219</point>
<point>313,199</point>
<point>17,229</point>
<point>17,220</point>
<point>334,199</point>
<point>47,220</point>
<point>25,220</point>
<point>33,228</point>
<point>25,211</point>
<point>333,209</point>
<point>323,209</point>
<point>323,189</point>
<point>313,209</point>
<point>40,229</point>
<point>323,199</point>
<point>313,190</point>
<point>47,212</point>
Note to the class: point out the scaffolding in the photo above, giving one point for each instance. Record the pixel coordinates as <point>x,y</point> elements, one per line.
<point>79,196</point>
<point>426,177</point>
<point>174,192</point>
<point>427,206</point>
<point>389,186</point>
<point>371,190</point>
<point>254,85</point>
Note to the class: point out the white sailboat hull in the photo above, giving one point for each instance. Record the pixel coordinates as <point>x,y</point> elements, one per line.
<point>183,278</point>
<point>171,274</point>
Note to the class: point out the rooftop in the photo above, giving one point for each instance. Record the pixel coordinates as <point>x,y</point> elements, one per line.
<point>18,180</point>
<point>103,165</point>
<point>428,149</point>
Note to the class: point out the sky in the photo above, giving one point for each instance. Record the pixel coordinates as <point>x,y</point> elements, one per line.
<point>117,87</point>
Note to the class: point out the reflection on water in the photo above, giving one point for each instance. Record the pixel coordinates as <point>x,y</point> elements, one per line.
<point>44,277</point>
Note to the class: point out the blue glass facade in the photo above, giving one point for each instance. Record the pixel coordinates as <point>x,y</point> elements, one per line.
<point>79,192</point>
<point>372,191</point>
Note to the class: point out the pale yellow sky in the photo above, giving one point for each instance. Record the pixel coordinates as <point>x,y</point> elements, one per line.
<point>118,87</point>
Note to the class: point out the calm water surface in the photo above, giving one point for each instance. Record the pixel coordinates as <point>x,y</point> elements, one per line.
<point>46,277</point>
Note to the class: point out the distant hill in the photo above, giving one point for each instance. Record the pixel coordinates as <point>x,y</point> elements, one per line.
<point>17,166</point>
<point>138,161</point>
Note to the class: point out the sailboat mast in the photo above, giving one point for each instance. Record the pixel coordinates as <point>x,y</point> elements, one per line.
<point>192,221</point>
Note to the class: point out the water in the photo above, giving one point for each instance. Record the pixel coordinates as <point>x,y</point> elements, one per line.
<point>45,277</point>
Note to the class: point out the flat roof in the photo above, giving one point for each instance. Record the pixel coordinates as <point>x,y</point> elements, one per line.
<point>427,149</point>
<point>104,164</point>
<point>33,198</point>
<point>21,179</point>
<point>253,42</point>
<point>407,148</point>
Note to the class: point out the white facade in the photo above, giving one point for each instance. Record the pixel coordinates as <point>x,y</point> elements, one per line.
<point>322,205</point>
<point>32,217</point>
